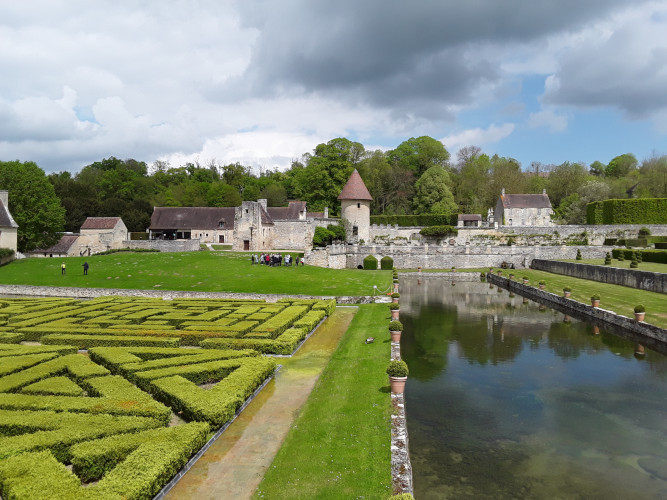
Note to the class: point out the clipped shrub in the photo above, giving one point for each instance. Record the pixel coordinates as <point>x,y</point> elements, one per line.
<point>644,231</point>
<point>393,306</point>
<point>439,231</point>
<point>634,264</point>
<point>395,295</point>
<point>636,242</point>
<point>639,308</point>
<point>395,326</point>
<point>628,211</point>
<point>370,263</point>
<point>595,297</point>
<point>416,220</point>
<point>386,263</point>
<point>567,289</point>
<point>397,368</point>
<point>610,241</point>
<point>661,245</point>
<point>579,257</point>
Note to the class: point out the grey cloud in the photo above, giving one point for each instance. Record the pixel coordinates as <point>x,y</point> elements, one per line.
<point>387,52</point>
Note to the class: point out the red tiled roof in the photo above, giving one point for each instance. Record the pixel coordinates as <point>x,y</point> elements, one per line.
<point>355,189</point>
<point>100,223</point>
<point>525,201</point>
<point>192,218</point>
<point>6,219</point>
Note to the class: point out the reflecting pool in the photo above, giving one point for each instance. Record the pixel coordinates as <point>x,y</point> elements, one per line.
<point>509,399</point>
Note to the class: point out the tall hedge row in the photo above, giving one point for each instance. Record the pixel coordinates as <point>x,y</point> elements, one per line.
<point>633,211</point>
<point>416,220</point>
<point>659,256</point>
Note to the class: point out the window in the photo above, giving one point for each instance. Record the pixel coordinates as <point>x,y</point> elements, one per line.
<point>355,231</point>
<point>358,205</point>
<point>246,210</point>
<point>221,224</point>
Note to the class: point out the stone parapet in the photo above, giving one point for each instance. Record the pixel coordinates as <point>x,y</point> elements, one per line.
<point>164,245</point>
<point>644,280</point>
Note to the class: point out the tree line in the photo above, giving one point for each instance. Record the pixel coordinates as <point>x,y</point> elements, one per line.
<point>419,176</point>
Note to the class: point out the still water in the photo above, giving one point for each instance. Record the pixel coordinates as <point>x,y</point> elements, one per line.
<point>505,400</point>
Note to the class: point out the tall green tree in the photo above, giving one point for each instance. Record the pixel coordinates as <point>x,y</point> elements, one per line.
<point>432,193</point>
<point>564,180</point>
<point>33,204</point>
<point>419,154</point>
<point>621,166</point>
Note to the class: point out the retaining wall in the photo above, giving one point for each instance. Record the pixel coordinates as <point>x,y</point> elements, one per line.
<point>602,315</point>
<point>644,280</point>
<point>164,245</point>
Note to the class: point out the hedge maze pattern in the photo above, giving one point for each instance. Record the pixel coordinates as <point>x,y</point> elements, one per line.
<point>119,420</point>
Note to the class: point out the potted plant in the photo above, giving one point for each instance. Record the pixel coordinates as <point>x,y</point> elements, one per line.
<point>395,329</point>
<point>542,284</point>
<point>398,371</point>
<point>595,300</point>
<point>640,312</point>
<point>500,273</point>
<point>567,291</point>
<point>453,269</point>
<point>419,269</point>
<point>394,310</point>
<point>525,280</point>
<point>395,296</point>
<point>482,277</point>
<point>511,276</point>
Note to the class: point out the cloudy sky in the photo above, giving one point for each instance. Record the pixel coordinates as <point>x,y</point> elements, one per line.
<point>264,81</point>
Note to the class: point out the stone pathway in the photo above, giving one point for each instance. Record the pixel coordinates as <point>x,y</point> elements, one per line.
<point>235,464</point>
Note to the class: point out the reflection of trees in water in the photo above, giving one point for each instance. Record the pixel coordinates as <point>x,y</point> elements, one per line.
<point>488,343</point>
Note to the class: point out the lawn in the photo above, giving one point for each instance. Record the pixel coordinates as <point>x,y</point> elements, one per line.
<point>339,446</point>
<point>193,271</point>
<point>617,298</point>
<point>653,267</point>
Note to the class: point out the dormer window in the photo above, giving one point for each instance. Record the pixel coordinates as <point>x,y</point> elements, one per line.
<point>221,224</point>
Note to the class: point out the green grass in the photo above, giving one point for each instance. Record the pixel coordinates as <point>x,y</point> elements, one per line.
<point>620,299</point>
<point>339,446</point>
<point>192,271</point>
<point>221,247</point>
<point>653,267</point>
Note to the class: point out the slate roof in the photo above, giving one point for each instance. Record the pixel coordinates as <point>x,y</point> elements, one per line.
<point>525,201</point>
<point>290,212</point>
<point>100,223</point>
<point>6,219</point>
<point>192,218</point>
<point>63,246</point>
<point>355,189</point>
<point>465,217</point>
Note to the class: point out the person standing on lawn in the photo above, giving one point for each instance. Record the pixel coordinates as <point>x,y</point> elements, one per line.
<point>63,269</point>
<point>85,268</point>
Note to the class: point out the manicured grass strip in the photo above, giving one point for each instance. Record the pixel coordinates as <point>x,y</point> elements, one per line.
<point>194,271</point>
<point>653,267</point>
<point>617,298</point>
<point>339,446</point>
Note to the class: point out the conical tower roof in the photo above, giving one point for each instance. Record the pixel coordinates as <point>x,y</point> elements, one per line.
<point>355,189</point>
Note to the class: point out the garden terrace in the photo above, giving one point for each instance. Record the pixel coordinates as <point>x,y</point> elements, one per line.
<point>271,328</point>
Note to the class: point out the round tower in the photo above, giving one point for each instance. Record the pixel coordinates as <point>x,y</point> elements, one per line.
<point>355,207</point>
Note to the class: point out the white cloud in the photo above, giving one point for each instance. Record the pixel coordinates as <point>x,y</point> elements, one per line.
<point>477,136</point>
<point>549,119</point>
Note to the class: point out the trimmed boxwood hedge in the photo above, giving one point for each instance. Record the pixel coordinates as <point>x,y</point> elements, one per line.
<point>658,256</point>
<point>439,231</point>
<point>628,211</point>
<point>416,220</point>
<point>370,263</point>
<point>386,263</point>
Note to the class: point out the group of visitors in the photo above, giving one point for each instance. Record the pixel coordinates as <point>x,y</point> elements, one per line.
<point>275,259</point>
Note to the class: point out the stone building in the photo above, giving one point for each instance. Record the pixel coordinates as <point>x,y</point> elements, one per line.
<point>97,234</point>
<point>524,209</point>
<point>253,226</point>
<point>207,224</point>
<point>469,220</point>
<point>8,227</point>
<point>355,206</point>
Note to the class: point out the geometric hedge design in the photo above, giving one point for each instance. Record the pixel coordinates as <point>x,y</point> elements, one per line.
<point>270,328</point>
<point>119,420</point>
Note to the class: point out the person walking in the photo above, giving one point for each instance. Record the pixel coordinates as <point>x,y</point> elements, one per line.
<point>63,269</point>
<point>85,268</point>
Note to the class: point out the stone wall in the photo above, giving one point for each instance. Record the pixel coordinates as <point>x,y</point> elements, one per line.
<point>595,313</point>
<point>9,238</point>
<point>164,245</point>
<point>444,257</point>
<point>644,280</point>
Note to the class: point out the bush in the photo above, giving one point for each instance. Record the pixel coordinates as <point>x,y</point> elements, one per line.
<point>397,368</point>
<point>395,295</point>
<point>386,263</point>
<point>610,241</point>
<point>661,245</point>
<point>567,289</point>
<point>595,297</point>
<point>6,252</point>
<point>579,257</point>
<point>636,242</point>
<point>416,220</point>
<point>644,231</point>
<point>395,326</point>
<point>439,231</point>
<point>630,211</point>
<point>370,263</point>
<point>394,307</point>
<point>634,264</point>
<point>639,308</point>
<point>542,283</point>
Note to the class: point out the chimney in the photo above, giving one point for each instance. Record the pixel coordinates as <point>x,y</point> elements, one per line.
<point>502,192</point>
<point>4,198</point>
<point>326,212</point>
<point>263,203</point>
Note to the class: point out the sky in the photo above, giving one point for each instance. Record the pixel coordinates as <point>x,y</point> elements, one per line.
<point>262,82</point>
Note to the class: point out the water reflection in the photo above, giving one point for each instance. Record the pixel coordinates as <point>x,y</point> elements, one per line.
<point>507,401</point>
